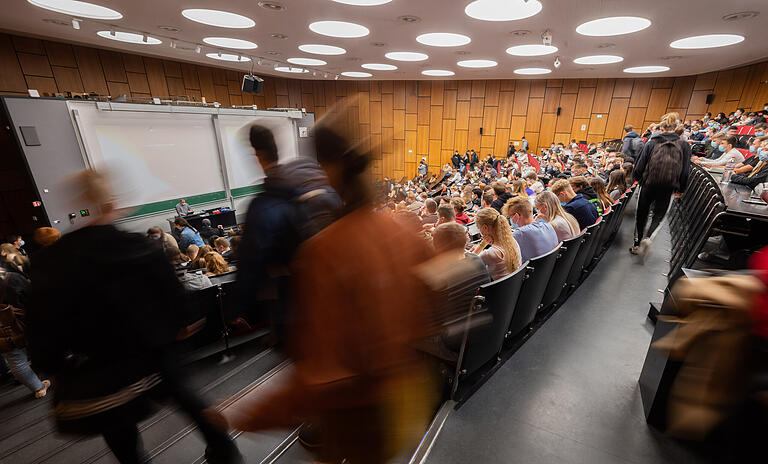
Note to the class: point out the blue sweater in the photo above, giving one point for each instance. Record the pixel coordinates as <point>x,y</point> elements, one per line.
<point>584,211</point>
<point>189,237</point>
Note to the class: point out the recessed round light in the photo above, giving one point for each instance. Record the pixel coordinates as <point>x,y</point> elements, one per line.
<point>406,56</point>
<point>306,61</point>
<point>317,49</point>
<point>531,50</point>
<point>617,25</point>
<point>227,42</point>
<point>477,63</point>
<point>288,69</point>
<point>379,66</point>
<point>646,69</point>
<point>228,57</point>
<point>443,39</point>
<point>363,2</point>
<point>532,71</point>
<point>218,18</point>
<point>79,9</point>
<point>598,59</point>
<point>438,72</point>
<point>340,29</point>
<point>356,74</point>
<point>707,41</point>
<point>129,37</point>
<point>502,10</point>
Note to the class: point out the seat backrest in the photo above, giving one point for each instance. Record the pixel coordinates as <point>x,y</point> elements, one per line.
<point>532,291</point>
<point>205,303</point>
<point>584,252</point>
<point>484,342</point>
<point>563,265</point>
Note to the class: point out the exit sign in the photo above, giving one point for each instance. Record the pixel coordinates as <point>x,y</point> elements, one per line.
<point>36,204</point>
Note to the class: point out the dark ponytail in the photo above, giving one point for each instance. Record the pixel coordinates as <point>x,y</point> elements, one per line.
<point>333,149</point>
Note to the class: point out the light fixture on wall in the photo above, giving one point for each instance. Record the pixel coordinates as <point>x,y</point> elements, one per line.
<point>198,49</point>
<point>546,37</point>
<point>557,62</point>
<point>76,24</point>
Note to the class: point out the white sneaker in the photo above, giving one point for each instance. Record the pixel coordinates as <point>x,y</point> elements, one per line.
<point>645,247</point>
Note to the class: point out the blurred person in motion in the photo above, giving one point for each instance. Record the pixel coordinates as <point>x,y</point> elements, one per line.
<point>45,236</point>
<point>295,204</point>
<point>356,377</point>
<point>498,248</point>
<point>109,350</point>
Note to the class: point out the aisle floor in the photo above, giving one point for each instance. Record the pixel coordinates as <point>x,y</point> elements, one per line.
<point>570,394</point>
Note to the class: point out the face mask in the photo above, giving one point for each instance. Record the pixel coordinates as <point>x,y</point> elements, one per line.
<point>752,149</point>
<point>763,156</point>
<point>711,123</point>
<point>714,144</point>
<point>759,134</point>
<point>21,243</point>
<point>721,148</point>
<point>156,238</point>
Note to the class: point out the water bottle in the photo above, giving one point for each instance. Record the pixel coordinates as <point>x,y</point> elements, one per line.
<point>727,173</point>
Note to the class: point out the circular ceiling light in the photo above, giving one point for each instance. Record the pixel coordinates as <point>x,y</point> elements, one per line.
<point>218,18</point>
<point>363,2</point>
<point>228,57</point>
<point>379,66</point>
<point>306,61</point>
<point>617,25</point>
<point>598,59</point>
<point>646,69</point>
<point>502,10</point>
<point>129,37</point>
<point>443,39</point>
<point>340,29</point>
<point>477,63</point>
<point>356,74</point>
<point>531,50</point>
<point>317,49</point>
<point>79,9</point>
<point>227,42</point>
<point>707,41</point>
<point>438,72</point>
<point>288,69</point>
<point>406,56</point>
<point>532,71</point>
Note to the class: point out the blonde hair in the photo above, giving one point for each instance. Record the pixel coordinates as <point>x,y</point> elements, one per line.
<point>562,185</point>
<point>518,188</point>
<point>599,186</point>
<point>502,235</point>
<point>555,209</point>
<point>669,121</point>
<point>518,204</point>
<point>215,263</point>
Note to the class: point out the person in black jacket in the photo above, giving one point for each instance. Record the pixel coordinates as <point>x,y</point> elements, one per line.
<point>104,309</point>
<point>295,204</point>
<point>456,160</point>
<point>502,195</point>
<point>657,194</point>
<point>209,233</point>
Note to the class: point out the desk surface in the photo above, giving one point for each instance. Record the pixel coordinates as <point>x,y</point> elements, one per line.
<point>734,196</point>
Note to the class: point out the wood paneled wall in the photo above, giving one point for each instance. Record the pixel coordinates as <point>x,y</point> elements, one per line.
<point>401,121</point>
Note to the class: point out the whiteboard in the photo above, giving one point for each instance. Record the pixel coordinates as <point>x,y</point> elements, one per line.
<point>152,157</point>
<point>242,167</point>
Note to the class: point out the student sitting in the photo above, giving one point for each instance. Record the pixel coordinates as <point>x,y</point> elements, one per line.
<point>500,195</point>
<point>215,264</point>
<point>498,248</point>
<point>617,184</point>
<point>580,185</point>
<point>207,232</point>
<point>550,210</point>
<point>222,246</point>
<point>431,216</point>
<point>728,154</point>
<point>189,236</point>
<point>533,237</point>
<point>458,209</point>
<point>584,211</point>
<point>598,186</point>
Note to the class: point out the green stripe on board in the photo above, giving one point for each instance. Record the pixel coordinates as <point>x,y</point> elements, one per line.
<point>166,205</point>
<point>245,191</point>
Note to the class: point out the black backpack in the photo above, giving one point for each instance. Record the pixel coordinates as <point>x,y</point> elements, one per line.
<point>665,164</point>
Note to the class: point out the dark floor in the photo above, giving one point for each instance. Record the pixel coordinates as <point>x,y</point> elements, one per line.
<point>570,394</point>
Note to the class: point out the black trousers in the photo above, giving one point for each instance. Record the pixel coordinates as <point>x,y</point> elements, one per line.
<point>123,438</point>
<point>656,197</point>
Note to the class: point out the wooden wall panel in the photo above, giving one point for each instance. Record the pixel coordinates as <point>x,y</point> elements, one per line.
<point>399,121</point>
